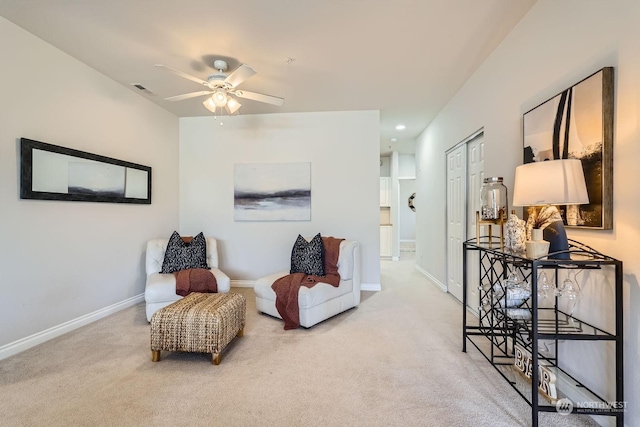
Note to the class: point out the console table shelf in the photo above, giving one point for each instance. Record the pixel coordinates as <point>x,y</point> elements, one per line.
<point>507,334</point>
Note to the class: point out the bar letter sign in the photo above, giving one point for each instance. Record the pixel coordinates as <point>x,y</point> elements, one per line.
<point>547,379</point>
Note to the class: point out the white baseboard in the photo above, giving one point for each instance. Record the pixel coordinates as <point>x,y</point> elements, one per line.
<point>431,278</point>
<point>242,283</point>
<point>472,312</point>
<point>576,394</point>
<point>374,287</point>
<point>48,334</point>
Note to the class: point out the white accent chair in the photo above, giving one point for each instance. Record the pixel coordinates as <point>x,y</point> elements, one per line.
<point>160,290</point>
<point>321,301</point>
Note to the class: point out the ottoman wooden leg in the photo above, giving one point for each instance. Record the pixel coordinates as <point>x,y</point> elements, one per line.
<point>216,358</point>
<point>155,355</point>
<point>240,333</point>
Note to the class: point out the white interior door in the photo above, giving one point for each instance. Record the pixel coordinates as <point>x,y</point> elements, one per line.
<point>456,217</point>
<point>475,175</point>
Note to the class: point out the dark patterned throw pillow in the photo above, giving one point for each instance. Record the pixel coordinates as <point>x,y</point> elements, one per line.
<point>308,257</point>
<point>182,256</point>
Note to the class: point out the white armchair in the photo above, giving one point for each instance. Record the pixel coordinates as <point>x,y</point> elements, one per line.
<point>321,301</point>
<point>160,290</point>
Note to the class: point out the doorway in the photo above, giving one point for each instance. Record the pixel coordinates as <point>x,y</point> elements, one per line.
<point>465,172</point>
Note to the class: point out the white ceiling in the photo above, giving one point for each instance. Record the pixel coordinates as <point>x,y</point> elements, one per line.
<point>406,58</point>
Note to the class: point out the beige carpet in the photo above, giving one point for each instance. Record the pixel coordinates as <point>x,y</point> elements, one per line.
<point>393,361</point>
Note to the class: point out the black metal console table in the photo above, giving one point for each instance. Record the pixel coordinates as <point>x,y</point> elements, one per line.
<point>496,331</point>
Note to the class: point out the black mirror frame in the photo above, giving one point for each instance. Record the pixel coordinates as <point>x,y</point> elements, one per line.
<point>26,174</point>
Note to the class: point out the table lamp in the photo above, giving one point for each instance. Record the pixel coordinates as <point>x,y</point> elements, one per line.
<point>552,182</point>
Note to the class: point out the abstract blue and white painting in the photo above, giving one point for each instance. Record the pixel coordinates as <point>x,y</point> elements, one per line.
<point>272,192</point>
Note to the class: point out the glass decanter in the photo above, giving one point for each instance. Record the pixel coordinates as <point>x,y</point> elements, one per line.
<point>543,285</point>
<point>569,289</point>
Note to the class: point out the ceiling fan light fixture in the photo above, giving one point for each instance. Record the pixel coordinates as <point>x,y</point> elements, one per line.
<point>220,98</point>
<point>209,105</point>
<point>232,105</point>
<point>220,86</point>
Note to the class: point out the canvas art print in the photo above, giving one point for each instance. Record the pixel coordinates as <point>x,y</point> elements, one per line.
<point>578,124</point>
<point>272,192</point>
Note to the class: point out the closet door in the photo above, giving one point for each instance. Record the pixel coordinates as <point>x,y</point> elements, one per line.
<point>475,175</point>
<point>465,171</point>
<point>456,218</point>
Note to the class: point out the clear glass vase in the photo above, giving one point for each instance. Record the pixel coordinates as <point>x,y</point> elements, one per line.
<point>493,199</point>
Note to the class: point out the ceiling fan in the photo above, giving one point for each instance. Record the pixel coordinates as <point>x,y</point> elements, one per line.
<point>220,86</point>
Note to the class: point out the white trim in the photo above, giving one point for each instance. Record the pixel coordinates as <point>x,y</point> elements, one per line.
<point>576,394</point>
<point>48,334</point>
<point>395,258</point>
<point>407,240</point>
<point>374,287</point>
<point>471,311</point>
<point>470,138</point>
<point>431,278</point>
<point>242,283</point>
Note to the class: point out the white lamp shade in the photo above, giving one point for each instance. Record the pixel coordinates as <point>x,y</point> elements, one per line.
<point>210,105</point>
<point>553,182</point>
<point>232,105</point>
<point>219,98</point>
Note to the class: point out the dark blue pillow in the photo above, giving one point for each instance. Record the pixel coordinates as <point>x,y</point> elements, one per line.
<point>182,256</point>
<point>308,257</point>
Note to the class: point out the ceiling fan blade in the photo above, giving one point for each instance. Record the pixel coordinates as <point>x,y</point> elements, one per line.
<point>184,75</point>
<point>274,100</point>
<point>242,73</point>
<point>188,95</point>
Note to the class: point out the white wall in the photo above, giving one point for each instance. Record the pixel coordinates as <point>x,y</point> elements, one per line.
<point>557,44</point>
<point>63,260</point>
<point>343,150</point>
<point>406,166</point>
<point>407,216</point>
<point>406,176</point>
<point>385,166</point>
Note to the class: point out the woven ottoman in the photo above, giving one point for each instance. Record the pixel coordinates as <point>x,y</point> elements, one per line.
<point>202,323</point>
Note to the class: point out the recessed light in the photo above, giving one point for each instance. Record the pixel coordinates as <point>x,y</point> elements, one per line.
<point>400,127</point>
<point>394,139</point>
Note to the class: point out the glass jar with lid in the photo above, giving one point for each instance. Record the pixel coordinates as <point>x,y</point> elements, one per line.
<point>493,199</point>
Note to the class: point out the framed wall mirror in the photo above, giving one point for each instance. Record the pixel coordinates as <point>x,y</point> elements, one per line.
<point>52,172</point>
